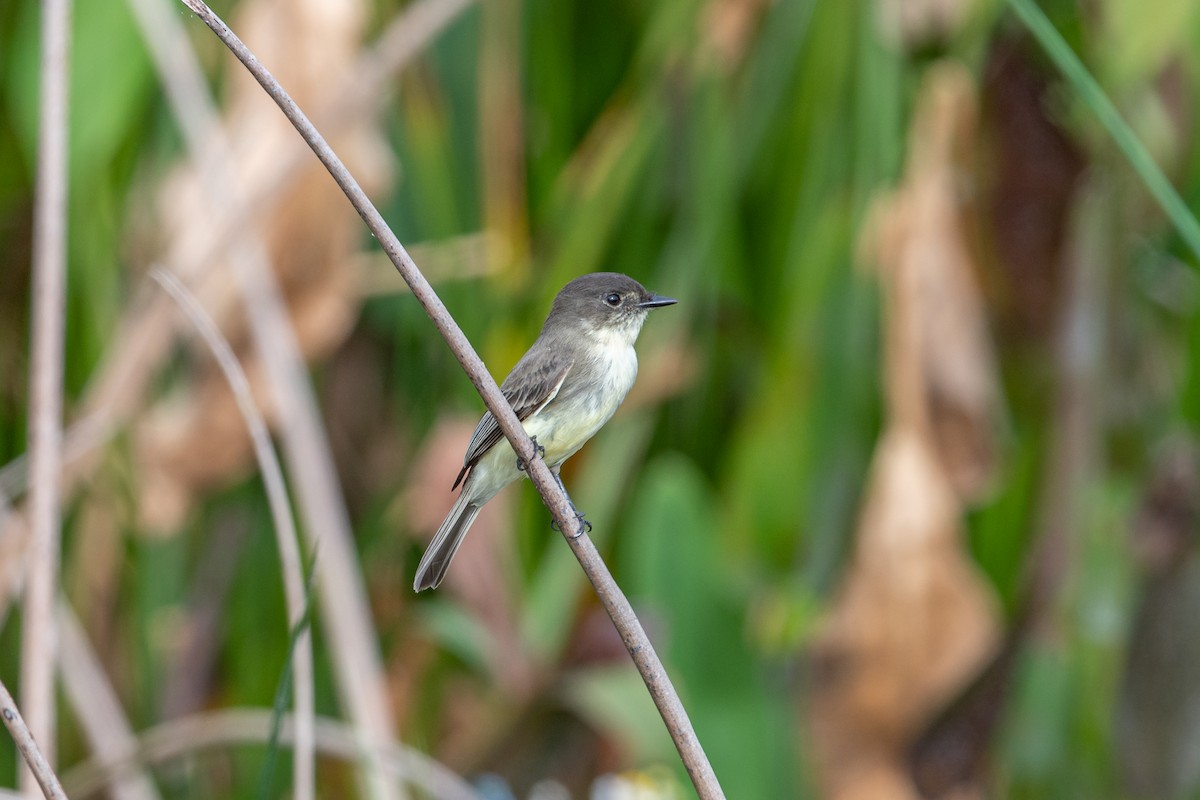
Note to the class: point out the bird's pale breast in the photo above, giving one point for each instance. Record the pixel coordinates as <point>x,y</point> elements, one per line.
<point>589,397</point>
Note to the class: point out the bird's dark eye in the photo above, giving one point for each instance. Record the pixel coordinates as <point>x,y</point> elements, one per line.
<point>613,299</point>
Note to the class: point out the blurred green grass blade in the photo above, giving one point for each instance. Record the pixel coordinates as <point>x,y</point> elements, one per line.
<point>592,199</point>
<point>1037,736</point>
<point>284,689</point>
<point>1082,81</point>
<point>771,64</point>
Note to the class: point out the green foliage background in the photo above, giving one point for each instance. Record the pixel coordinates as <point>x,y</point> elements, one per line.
<point>727,510</point>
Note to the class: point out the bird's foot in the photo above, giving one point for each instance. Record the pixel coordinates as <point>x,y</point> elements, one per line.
<point>541,451</point>
<point>584,525</point>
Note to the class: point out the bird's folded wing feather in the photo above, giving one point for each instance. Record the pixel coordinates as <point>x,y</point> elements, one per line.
<point>538,385</point>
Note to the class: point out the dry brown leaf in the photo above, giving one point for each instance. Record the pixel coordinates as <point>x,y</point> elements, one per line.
<point>941,371</point>
<point>914,620</point>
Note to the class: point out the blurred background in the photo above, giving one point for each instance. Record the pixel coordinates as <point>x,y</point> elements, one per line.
<point>907,491</point>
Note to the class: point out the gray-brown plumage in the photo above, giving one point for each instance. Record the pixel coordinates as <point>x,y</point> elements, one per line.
<point>563,390</point>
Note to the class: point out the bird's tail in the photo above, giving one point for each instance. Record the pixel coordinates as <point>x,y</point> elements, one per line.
<point>445,544</point>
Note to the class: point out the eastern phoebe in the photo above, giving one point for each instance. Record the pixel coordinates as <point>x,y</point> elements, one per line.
<point>563,390</point>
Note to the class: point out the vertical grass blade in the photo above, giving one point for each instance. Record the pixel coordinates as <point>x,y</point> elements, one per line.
<point>1126,140</point>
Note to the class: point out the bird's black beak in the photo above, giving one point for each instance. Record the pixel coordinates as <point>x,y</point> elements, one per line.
<point>657,301</point>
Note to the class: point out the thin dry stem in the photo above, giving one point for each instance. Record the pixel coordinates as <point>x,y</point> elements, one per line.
<point>334,739</point>
<point>45,398</point>
<point>281,514</point>
<point>614,601</point>
<point>27,747</point>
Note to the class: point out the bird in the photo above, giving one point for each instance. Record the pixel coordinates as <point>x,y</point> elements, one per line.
<point>566,386</point>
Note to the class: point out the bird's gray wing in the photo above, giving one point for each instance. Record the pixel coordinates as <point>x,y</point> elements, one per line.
<point>528,388</point>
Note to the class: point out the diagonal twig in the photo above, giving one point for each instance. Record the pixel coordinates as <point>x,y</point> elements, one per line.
<point>610,595</point>
<point>28,748</point>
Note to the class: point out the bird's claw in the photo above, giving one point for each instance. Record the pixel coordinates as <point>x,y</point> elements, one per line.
<point>584,525</point>
<point>541,451</point>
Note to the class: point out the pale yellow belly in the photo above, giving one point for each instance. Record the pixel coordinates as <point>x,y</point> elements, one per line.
<point>561,428</point>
